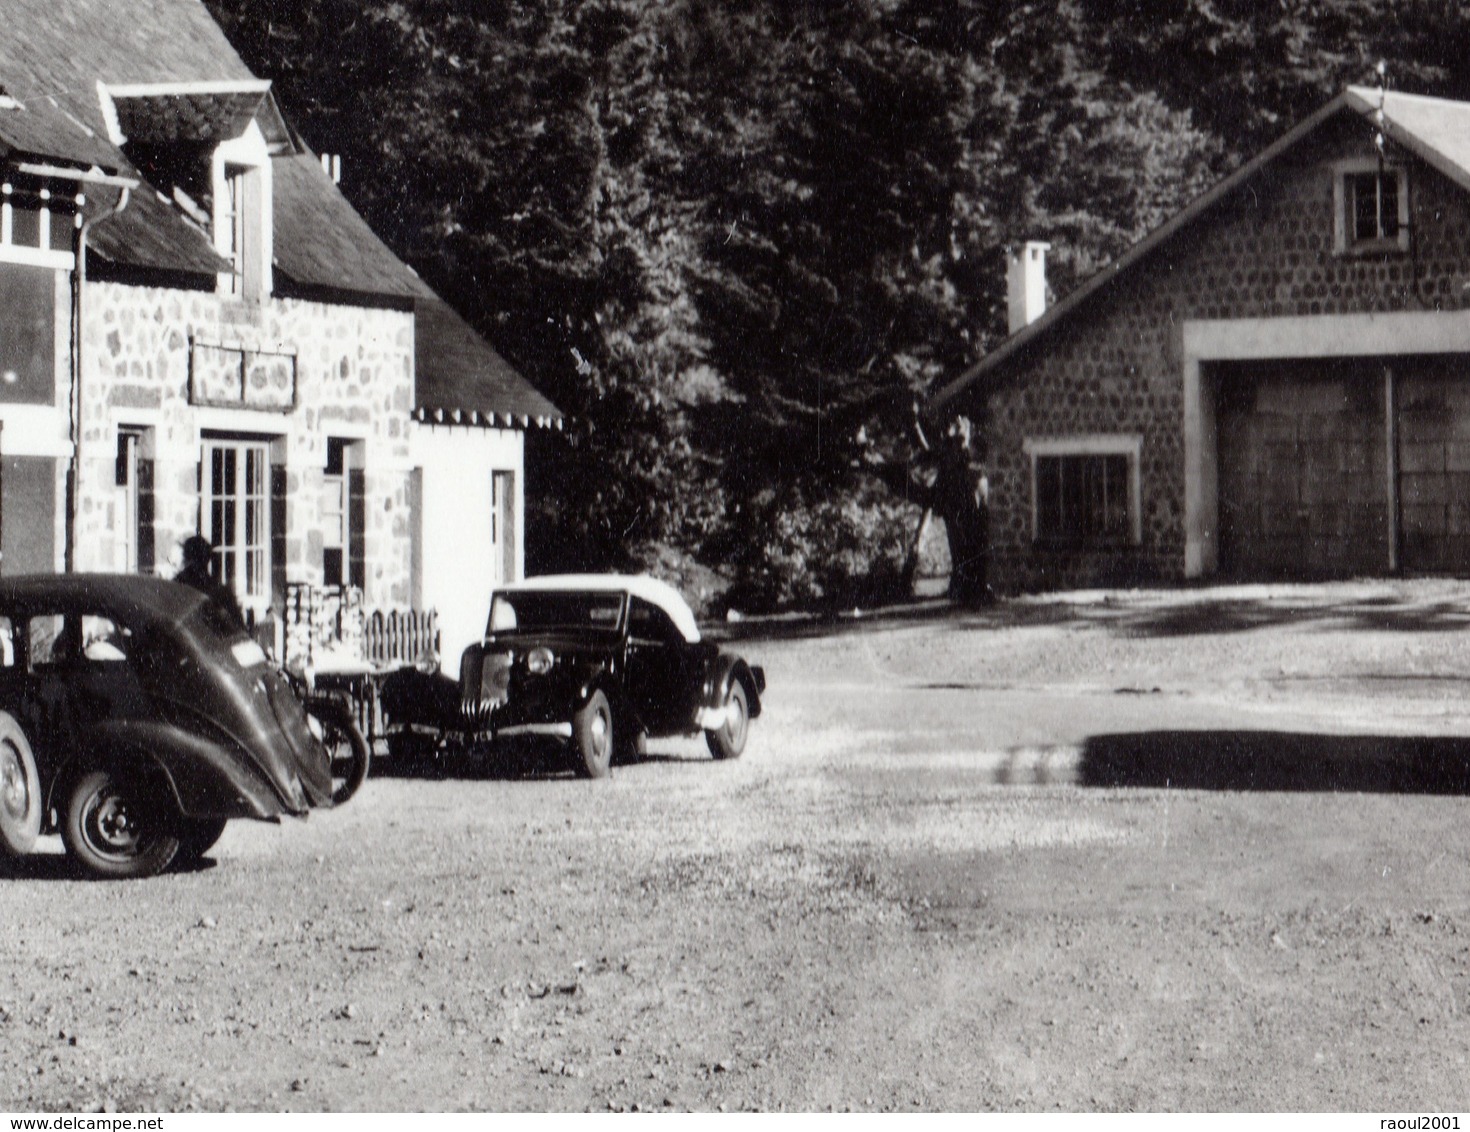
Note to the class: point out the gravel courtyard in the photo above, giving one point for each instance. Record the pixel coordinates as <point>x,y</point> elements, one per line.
<point>1203,849</point>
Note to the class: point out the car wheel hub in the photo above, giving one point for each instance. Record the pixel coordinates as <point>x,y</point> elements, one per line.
<point>14,794</point>
<point>116,830</point>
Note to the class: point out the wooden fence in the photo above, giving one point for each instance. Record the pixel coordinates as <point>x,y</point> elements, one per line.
<point>332,620</point>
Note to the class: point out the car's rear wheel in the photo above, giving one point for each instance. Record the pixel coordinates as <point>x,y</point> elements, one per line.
<point>115,828</point>
<point>592,736</point>
<point>20,790</point>
<point>197,836</point>
<point>728,740</point>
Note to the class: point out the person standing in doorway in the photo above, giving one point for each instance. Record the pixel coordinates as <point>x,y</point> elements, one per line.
<point>198,554</point>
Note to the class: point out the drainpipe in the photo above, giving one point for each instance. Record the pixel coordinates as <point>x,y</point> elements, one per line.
<point>79,282</point>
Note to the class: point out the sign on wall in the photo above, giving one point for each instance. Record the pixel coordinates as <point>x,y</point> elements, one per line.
<point>231,376</point>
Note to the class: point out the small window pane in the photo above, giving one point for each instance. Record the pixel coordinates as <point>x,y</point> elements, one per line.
<point>25,227</point>
<point>62,230</point>
<point>1083,499</point>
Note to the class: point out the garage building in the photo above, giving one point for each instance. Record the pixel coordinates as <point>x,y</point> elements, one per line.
<point>1274,384</point>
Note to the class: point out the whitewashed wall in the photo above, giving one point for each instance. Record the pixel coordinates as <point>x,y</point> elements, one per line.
<point>459,567</point>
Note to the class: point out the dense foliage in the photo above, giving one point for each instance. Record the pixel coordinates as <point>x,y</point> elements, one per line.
<point>736,239</point>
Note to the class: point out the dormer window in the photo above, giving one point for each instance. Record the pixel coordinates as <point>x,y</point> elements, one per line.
<point>240,227</point>
<point>1372,206</point>
<point>208,146</point>
<point>242,216</point>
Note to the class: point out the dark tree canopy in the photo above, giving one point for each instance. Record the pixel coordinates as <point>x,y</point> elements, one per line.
<point>736,239</point>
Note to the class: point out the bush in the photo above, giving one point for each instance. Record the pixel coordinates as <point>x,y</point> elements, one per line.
<point>829,553</point>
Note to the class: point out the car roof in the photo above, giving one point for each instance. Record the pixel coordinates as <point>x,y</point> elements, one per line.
<point>645,586</point>
<point>133,597</point>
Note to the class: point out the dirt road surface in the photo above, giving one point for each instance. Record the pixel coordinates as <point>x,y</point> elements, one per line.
<point>1200,850</point>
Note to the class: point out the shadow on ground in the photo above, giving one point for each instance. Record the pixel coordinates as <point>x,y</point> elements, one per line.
<point>1278,761</point>
<point>57,866</point>
<point>529,763</point>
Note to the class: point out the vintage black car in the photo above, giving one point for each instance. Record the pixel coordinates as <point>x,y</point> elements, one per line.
<point>137,719</point>
<point>597,663</point>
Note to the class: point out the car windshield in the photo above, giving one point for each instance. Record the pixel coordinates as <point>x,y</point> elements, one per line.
<point>554,609</point>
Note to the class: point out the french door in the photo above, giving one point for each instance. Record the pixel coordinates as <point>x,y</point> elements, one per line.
<point>236,519</point>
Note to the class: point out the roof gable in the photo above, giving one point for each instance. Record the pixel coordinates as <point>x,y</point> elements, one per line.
<point>1435,130</point>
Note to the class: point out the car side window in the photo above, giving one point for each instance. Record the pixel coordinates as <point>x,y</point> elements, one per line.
<point>7,643</point>
<point>648,622</point>
<point>49,640</point>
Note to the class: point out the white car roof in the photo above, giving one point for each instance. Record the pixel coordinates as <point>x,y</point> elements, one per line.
<point>649,588</point>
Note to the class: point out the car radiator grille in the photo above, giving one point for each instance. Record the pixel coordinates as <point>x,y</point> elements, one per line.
<point>484,686</point>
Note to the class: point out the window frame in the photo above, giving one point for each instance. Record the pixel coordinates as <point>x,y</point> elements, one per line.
<point>241,562</point>
<point>1344,176</point>
<point>135,545</point>
<point>343,508</point>
<point>1127,445</point>
<point>242,212</point>
<point>502,523</point>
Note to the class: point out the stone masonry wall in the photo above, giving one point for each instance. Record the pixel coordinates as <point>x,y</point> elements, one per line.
<point>354,380</point>
<point>1115,365</point>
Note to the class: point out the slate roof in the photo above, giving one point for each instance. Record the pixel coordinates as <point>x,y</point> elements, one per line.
<point>321,241</point>
<point>460,377</point>
<point>1436,130</point>
<point>54,53</point>
<point>163,116</point>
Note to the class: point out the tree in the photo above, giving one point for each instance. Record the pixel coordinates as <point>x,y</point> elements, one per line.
<point>736,240</point>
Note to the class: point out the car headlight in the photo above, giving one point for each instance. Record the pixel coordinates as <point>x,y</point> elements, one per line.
<point>539,661</point>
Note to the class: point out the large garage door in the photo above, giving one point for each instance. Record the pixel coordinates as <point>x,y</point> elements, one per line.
<point>1433,398</point>
<point>1302,469</point>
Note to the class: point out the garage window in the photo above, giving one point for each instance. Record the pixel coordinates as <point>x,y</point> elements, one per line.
<point>1372,206</point>
<point>1085,491</point>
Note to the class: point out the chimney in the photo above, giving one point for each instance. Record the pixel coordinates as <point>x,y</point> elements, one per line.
<point>1026,283</point>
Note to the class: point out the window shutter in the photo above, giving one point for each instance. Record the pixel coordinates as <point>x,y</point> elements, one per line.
<point>356,527</point>
<point>278,535</point>
<point>144,472</point>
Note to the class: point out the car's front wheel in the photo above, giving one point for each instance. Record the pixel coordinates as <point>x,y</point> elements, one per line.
<point>20,790</point>
<point>113,828</point>
<point>728,740</point>
<point>592,736</point>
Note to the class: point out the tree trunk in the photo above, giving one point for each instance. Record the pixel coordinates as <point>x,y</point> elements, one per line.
<point>911,559</point>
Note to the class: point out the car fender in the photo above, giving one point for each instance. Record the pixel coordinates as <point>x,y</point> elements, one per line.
<point>602,676</point>
<point>724,670</point>
<point>206,778</point>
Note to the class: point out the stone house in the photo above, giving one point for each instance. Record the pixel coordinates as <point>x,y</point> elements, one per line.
<point>1275,383</point>
<point>198,333</point>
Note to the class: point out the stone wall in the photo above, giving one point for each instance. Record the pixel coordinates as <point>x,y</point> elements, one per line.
<point>354,380</point>
<point>1114,365</point>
